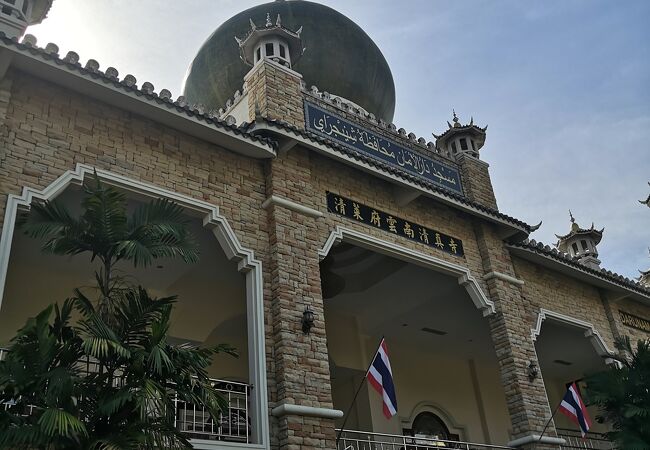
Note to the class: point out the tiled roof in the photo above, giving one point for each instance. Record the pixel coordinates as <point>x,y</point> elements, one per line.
<point>128,84</point>
<point>388,168</point>
<point>554,254</point>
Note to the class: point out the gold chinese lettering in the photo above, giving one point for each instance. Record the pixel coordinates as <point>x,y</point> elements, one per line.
<point>391,221</point>
<point>424,236</point>
<point>339,205</point>
<point>439,242</point>
<point>375,219</point>
<point>453,245</point>
<point>356,211</point>
<point>408,230</point>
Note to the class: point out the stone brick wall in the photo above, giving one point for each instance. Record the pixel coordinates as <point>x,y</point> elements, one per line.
<point>476,181</point>
<point>275,91</point>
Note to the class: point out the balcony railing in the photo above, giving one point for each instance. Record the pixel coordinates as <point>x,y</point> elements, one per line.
<point>233,424</point>
<point>363,440</point>
<point>591,440</point>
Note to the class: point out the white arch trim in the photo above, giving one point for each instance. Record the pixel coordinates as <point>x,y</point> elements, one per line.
<point>464,276</point>
<point>212,219</point>
<point>590,332</point>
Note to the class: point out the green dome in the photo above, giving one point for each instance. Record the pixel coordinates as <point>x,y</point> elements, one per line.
<point>340,58</point>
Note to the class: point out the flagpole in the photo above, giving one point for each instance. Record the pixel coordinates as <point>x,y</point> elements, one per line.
<point>547,424</point>
<point>354,399</point>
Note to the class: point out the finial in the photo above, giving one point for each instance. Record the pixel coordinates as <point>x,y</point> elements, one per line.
<point>571,216</point>
<point>455,119</point>
<point>253,26</point>
<point>268,20</point>
<point>278,21</point>
<point>471,121</point>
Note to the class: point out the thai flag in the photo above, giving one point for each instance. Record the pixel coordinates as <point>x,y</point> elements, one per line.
<point>380,377</point>
<point>573,407</point>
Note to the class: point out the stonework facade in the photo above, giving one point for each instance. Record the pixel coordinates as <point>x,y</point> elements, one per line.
<point>276,207</point>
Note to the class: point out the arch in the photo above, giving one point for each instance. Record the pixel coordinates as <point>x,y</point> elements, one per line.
<point>213,220</point>
<point>437,410</point>
<point>462,274</point>
<point>590,331</point>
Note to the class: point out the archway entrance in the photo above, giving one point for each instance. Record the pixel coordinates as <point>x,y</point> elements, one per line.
<point>568,353</point>
<point>443,361</point>
<point>219,299</point>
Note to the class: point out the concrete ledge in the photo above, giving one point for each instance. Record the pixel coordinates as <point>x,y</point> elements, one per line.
<point>293,206</point>
<point>535,439</point>
<point>504,277</point>
<point>287,409</point>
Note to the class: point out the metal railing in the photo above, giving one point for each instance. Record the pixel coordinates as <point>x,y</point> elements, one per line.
<point>364,440</point>
<point>592,440</point>
<point>233,424</point>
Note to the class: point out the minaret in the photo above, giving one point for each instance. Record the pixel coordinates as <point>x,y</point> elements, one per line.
<point>462,143</point>
<point>272,89</point>
<point>581,243</point>
<point>17,15</point>
<point>461,139</point>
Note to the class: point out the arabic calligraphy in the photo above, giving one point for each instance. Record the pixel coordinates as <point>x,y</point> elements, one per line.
<point>375,218</point>
<point>331,126</point>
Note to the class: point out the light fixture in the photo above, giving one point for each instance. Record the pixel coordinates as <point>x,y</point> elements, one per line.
<point>533,370</point>
<point>308,318</point>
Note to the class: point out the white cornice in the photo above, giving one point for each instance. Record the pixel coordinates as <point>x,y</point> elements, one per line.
<point>289,409</point>
<point>503,277</point>
<point>291,205</point>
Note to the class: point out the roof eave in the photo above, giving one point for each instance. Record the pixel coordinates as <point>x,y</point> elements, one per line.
<point>132,100</point>
<point>506,230</point>
<point>582,274</point>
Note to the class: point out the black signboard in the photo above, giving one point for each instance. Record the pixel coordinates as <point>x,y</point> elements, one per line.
<point>333,127</point>
<point>373,217</point>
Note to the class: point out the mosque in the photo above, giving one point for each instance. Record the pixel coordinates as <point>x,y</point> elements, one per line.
<point>323,227</point>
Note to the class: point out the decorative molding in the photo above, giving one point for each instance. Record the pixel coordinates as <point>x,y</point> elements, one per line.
<point>463,274</point>
<point>590,331</point>
<point>503,277</point>
<point>536,439</point>
<point>293,206</point>
<point>289,409</point>
<point>213,220</point>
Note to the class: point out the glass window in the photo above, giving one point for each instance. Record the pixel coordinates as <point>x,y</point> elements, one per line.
<point>463,144</point>
<point>575,247</point>
<point>269,49</point>
<point>282,51</point>
<point>429,425</point>
<point>453,146</point>
<point>584,245</point>
<point>259,54</point>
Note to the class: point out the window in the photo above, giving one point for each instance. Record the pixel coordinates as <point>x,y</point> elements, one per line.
<point>463,144</point>
<point>575,247</point>
<point>472,144</point>
<point>584,245</point>
<point>269,49</point>
<point>427,424</point>
<point>259,54</point>
<point>282,51</point>
<point>453,147</point>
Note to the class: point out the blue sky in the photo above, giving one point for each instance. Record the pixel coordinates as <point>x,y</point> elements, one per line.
<point>564,86</point>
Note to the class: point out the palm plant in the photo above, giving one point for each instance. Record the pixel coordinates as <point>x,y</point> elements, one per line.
<point>108,379</point>
<point>623,395</point>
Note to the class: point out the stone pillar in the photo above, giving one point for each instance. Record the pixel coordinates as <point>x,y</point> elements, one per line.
<point>476,180</point>
<point>511,328</point>
<point>302,409</point>
<point>274,92</point>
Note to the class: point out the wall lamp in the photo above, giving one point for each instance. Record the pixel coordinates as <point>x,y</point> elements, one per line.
<point>533,370</point>
<point>308,318</point>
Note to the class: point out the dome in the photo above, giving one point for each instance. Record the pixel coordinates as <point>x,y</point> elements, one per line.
<point>340,58</point>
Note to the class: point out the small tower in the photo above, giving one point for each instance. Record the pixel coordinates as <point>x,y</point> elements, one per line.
<point>273,42</point>
<point>461,139</point>
<point>17,15</point>
<point>581,243</point>
<point>644,278</point>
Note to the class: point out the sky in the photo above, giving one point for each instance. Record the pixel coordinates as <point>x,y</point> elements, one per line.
<point>563,85</point>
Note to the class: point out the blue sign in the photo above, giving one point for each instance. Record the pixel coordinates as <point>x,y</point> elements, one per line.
<point>336,128</point>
